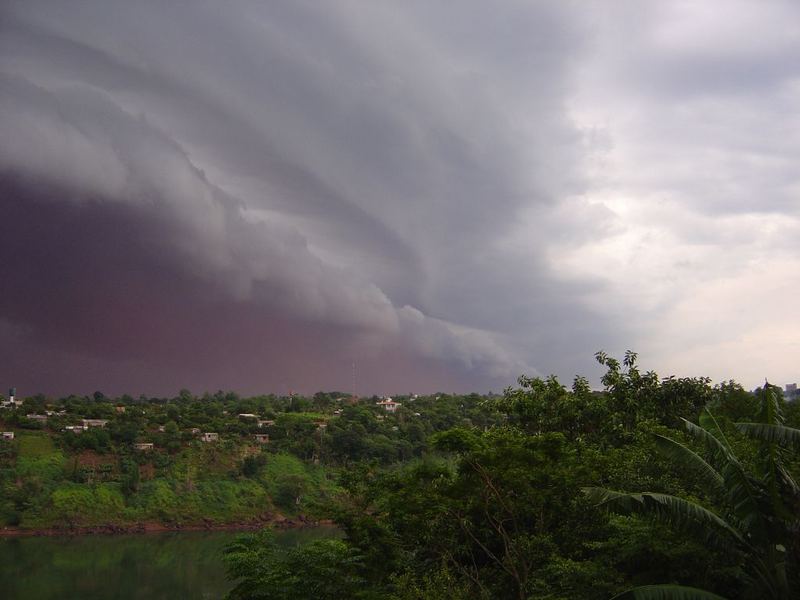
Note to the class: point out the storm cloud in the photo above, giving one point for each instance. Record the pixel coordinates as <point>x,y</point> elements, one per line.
<point>253,196</point>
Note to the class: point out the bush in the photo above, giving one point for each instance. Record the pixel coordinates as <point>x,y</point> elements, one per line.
<point>325,569</point>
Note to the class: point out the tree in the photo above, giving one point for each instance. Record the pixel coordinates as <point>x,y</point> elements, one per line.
<point>324,570</point>
<point>130,476</point>
<point>758,508</point>
<point>633,395</point>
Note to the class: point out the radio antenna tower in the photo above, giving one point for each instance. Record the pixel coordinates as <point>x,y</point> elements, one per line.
<point>354,379</point>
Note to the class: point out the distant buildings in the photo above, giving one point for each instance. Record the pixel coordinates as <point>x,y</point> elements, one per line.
<point>143,446</point>
<point>790,392</point>
<point>12,401</point>
<point>7,435</point>
<point>210,436</point>
<point>86,424</point>
<point>262,438</point>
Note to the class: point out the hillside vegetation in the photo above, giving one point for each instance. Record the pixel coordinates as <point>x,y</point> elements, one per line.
<point>651,488</point>
<point>96,461</point>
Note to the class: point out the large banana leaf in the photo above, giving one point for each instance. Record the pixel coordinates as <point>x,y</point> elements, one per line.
<point>690,460</point>
<point>769,433</point>
<point>770,412</point>
<point>743,494</point>
<point>666,592</point>
<point>671,510</point>
<point>720,451</point>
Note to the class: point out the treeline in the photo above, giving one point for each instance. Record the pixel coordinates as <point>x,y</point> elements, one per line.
<point>652,488</point>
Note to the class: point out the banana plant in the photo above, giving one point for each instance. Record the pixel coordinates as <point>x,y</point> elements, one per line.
<point>760,506</point>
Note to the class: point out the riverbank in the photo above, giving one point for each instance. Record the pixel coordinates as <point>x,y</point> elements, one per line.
<point>185,564</point>
<point>273,521</point>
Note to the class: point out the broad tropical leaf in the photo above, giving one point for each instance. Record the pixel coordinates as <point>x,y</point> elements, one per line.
<point>771,434</point>
<point>668,509</point>
<point>770,412</point>
<point>721,452</point>
<point>743,494</point>
<point>666,592</point>
<point>689,459</point>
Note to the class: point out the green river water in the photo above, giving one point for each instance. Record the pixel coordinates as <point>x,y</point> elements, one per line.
<point>124,567</point>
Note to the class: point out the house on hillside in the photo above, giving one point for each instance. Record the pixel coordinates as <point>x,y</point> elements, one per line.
<point>389,405</point>
<point>7,435</point>
<point>94,423</point>
<point>75,428</point>
<point>266,422</point>
<point>143,446</point>
<point>210,436</point>
<point>262,438</point>
<point>247,416</point>
<point>38,418</point>
<point>11,402</point>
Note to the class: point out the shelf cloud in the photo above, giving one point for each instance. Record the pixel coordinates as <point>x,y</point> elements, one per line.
<point>255,196</point>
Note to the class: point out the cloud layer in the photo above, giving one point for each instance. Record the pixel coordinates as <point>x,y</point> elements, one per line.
<point>258,195</point>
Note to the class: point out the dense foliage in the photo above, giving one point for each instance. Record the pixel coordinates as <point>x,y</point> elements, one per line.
<point>649,488</point>
<point>521,506</point>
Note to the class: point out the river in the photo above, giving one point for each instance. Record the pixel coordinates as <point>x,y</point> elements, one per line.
<point>124,567</point>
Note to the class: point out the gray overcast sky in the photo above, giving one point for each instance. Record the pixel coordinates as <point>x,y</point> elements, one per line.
<point>253,195</point>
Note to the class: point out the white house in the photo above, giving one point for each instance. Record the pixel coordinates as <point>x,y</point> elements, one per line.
<point>209,436</point>
<point>7,435</point>
<point>389,405</point>
<point>11,402</point>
